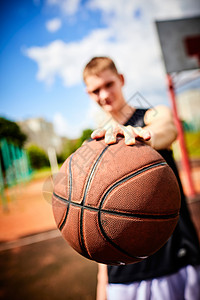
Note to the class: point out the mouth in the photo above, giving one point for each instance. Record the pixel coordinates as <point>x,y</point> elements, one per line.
<point>106,103</point>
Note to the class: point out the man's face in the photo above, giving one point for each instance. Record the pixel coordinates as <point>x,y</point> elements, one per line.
<point>106,89</point>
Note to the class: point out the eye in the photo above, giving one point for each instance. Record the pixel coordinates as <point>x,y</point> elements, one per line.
<point>95,92</point>
<point>109,84</point>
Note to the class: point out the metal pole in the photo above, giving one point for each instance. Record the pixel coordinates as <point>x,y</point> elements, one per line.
<point>184,153</point>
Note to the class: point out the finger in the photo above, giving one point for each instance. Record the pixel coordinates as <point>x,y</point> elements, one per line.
<point>110,136</point>
<point>112,132</point>
<point>129,135</point>
<point>98,133</point>
<point>142,133</point>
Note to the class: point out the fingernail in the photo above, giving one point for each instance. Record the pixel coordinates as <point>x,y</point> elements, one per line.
<point>130,141</point>
<point>109,139</point>
<point>146,136</point>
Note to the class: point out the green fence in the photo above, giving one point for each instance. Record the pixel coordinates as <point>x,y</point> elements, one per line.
<point>14,166</point>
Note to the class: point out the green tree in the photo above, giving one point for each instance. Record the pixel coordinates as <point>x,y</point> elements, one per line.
<point>86,134</point>
<point>69,147</point>
<point>38,157</point>
<point>12,132</point>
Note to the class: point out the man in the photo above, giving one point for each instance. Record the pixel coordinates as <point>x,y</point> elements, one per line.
<point>174,271</point>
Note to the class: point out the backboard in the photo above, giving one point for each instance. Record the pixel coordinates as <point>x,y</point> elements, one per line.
<point>180,43</point>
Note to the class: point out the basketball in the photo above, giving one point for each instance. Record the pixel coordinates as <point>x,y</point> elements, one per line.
<point>116,204</point>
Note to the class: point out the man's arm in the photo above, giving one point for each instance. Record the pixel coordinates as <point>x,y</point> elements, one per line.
<point>102,281</point>
<point>159,122</point>
<point>159,132</point>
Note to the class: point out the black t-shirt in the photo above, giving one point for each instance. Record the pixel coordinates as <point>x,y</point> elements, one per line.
<point>181,249</point>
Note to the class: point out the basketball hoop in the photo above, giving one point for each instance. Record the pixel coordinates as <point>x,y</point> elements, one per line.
<point>180,45</point>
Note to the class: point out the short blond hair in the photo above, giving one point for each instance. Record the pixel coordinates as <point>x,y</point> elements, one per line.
<point>98,64</point>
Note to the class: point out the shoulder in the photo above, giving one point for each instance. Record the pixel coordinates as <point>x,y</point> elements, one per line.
<point>158,112</point>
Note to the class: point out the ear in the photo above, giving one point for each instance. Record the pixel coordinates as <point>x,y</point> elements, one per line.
<point>122,79</point>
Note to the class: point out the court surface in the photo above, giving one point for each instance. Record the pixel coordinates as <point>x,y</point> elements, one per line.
<point>35,261</point>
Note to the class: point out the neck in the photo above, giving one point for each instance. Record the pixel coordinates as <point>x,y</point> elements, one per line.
<point>123,114</point>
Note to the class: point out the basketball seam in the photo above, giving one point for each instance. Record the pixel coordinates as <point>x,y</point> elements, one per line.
<point>111,242</point>
<point>62,219</point>
<point>92,174</point>
<point>61,225</point>
<point>123,214</point>
<point>144,169</point>
<point>107,193</point>
<point>100,233</point>
<point>106,238</point>
<point>89,179</point>
<point>82,242</point>
<point>116,245</point>
<point>135,214</point>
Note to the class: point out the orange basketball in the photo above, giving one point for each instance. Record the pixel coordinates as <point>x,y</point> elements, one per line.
<point>116,204</point>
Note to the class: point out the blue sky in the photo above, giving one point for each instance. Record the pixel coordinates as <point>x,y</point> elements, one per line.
<point>45,44</point>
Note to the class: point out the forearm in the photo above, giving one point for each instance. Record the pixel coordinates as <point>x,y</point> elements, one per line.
<point>160,137</point>
<point>161,127</point>
<point>102,281</point>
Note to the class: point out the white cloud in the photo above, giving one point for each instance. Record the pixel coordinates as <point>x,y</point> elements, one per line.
<point>68,7</point>
<point>131,41</point>
<point>135,54</point>
<point>152,8</point>
<point>66,60</point>
<point>65,128</point>
<point>129,38</point>
<point>53,25</point>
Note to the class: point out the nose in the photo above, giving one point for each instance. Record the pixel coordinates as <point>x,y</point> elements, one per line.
<point>103,95</point>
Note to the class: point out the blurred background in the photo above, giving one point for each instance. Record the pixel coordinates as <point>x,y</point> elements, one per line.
<point>45,115</point>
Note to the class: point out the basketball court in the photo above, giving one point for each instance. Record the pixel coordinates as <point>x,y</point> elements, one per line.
<point>48,269</point>
<point>35,260</point>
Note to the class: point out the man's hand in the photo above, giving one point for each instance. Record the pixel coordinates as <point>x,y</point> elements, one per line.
<point>130,134</point>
